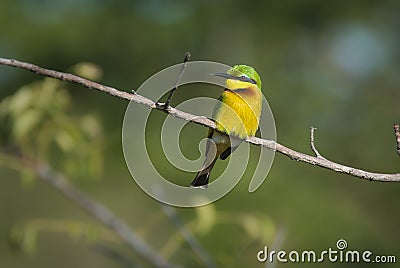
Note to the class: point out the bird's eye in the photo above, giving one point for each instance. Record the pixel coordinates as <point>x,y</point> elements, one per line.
<point>243,78</point>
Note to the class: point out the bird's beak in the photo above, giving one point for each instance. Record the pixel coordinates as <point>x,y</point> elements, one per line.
<point>224,75</point>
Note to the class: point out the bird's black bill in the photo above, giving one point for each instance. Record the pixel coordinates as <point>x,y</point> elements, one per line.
<point>241,78</point>
<point>225,75</point>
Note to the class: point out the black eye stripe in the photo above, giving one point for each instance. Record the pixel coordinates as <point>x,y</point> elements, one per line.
<point>247,79</point>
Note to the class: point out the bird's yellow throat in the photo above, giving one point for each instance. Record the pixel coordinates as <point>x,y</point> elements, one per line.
<point>242,112</point>
<point>233,84</point>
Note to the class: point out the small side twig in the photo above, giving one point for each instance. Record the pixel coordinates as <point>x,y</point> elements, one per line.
<point>397,135</point>
<point>317,154</point>
<point>172,91</point>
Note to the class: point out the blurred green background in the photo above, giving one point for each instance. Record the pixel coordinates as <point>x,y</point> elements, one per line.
<point>332,65</point>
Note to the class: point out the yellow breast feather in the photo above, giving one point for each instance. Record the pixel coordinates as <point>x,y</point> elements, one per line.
<point>239,111</point>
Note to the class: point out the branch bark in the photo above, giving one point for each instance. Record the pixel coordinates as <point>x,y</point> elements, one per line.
<point>201,120</point>
<point>397,135</point>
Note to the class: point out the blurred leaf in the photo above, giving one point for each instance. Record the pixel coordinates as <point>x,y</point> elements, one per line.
<point>88,70</point>
<point>29,240</point>
<point>23,239</point>
<point>90,125</point>
<point>259,227</point>
<point>268,229</point>
<point>251,225</point>
<point>64,140</point>
<point>18,102</point>
<point>46,93</point>
<point>25,123</point>
<point>207,217</point>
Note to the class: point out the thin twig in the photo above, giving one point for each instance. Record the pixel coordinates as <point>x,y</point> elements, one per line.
<point>276,246</point>
<point>172,91</point>
<point>317,154</point>
<point>397,135</point>
<point>188,236</point>
<point>201,120</point>
<point>103,214</point>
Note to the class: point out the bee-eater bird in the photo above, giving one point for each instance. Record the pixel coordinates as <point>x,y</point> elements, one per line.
<point>236,116</point>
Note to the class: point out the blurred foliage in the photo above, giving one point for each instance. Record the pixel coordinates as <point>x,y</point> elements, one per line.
<point>38,123</point>
<point>23,237</point>
<point>332,65</point>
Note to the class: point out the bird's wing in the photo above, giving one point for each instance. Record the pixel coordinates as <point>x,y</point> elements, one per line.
<point>235,142</point>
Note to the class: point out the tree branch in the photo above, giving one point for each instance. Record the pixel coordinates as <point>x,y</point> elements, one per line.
<point>397,135</point>
<point>201,120</point>
<point>103,214</point>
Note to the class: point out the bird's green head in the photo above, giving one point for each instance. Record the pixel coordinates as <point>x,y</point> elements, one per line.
<point>248,72</point>
<point>242,73</point>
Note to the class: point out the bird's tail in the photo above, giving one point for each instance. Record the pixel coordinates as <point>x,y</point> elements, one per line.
<point>201,179</point>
